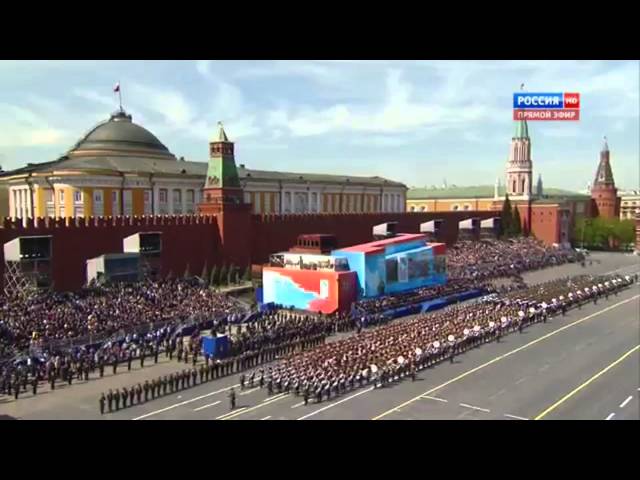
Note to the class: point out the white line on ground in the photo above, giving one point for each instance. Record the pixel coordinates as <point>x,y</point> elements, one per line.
<point>271,398</point>
<point>298,405</point>
<point>255,407</point>
<point>266,418</point>
<point>515,416</point>
<point>521,380</point>
<point>233,412</point>
<point>611,415</point>
<point>170,407</point>
<point>623,404</point>
<point>435,398</point>
<point>250,391</point>
<point>475,408</point>
<point>336,403</point>
<point>206,406</point>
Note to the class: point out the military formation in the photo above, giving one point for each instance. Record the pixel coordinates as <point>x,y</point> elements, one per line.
<point>388,353</point>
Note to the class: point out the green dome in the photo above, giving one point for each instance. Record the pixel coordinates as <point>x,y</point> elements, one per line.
<point>522,130</point>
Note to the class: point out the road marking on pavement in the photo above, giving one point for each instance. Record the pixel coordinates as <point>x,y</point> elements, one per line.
<point>475,408</point>
<point>260,405</point>
<point>170,407</point>
<point>336,403</point>
<point>271,398</point>
<point>508,354</point>
<point>611,415</point>
<point>435,398</point>
<point>623,404</point>
<point>298,405</point>
<point>228,414</point>
<point>266,418</point>
<point>515,416</point>
<point>250,391</point>
<point>206,406</point>
<point>521,380</point>
<point>585,384</point>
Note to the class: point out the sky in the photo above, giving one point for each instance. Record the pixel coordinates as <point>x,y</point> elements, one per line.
<point>418,122</point>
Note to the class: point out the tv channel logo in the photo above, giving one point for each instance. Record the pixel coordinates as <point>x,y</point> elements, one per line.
<point>546,106</point>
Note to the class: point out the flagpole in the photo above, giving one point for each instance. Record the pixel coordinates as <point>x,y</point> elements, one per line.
<point>120,94</point>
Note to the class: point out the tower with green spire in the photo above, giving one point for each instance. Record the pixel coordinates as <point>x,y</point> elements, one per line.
<point>222,184</point>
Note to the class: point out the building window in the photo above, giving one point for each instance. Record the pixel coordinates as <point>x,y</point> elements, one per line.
<point>98,203</point>
<point>78,211</point>
<point>115,204</point>
<point>467,206</point>
<point>162,196</point>
<point>177,201</point>
<point>61,196</point>
<point>455,208</point>
<point>63,213</point>
<point>128,202</point>
<point>412,209</point>
<point>191,199</point>
<point>77,196</point>
<point>423,208</point>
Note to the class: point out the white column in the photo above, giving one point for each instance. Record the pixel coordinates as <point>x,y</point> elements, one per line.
<point>170,199</point>
<point>183,198</point>
<point>156,200</point>
<point>319,202</point>
<point>28,193</point>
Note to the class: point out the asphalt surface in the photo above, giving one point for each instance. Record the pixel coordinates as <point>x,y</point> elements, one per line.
<point>585,365</point>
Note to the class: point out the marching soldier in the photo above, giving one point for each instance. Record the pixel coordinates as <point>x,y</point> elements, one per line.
<point>34,385</point>
<point>52,381</point>
<point>143,353</point>
<point>165,380</point>
<point>154,386</point>
<point>176,380</point>
<point>155,354</point>
<point>69,375</point>
<point>116,397</point>
<point>306,396</point>
<point>132,393</point>
<point>201,373</point>
<point>129,359</point>
<point>207,370</point>
<point>101,401</point>
<point>242,381</point>
<point>194,376</point>
<point>124,397</point>
<point>110,400</point>
<point>146,388</point>
<point>86,373</point>
<point>232,398</point>
<point>115,365</point>
<point>101,367</point>
<point>138,393</point>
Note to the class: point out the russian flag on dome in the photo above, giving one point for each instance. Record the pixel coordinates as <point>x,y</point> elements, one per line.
<point>116,88</point>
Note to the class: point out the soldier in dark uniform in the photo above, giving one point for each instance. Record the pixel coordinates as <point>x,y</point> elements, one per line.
<point>261,381</point>
<point>16,388</point>
<point>110,400</point>
<point>129,360</point>
<point>270,387</point>
<point>207,370</point>
<point>201,373</point>
<point>242,381</point>
<point>116,397</point>
<point>138,393</point>
<point>165,380</point>
<point>86,373</point>
<point>153,388</point>
<point>69,375</point>
<point>115,365</point>
<point>183,379</point>
<point>132,394</point>
<point>34,385</point>
<point>171,382</point>
<point>52,381</point>
<point>194,376</point>
<point>179,352</point>
<point>186,356</point>
<point>194,360</point>
<point>176,380</point>
<point>101,401</point>
<point>143,352</point>
<point>155,354</point>
<point>124,397</point>
<point>146,388</point>
<point>232,398</point>
<point>306,396</point>
<point>101,367</point>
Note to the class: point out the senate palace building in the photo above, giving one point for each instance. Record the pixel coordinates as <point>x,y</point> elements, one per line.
<point>120,168</point>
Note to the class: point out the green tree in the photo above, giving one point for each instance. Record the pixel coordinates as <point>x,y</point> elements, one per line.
<point>247,274</point>
<point>223,279</point>
<point>516,226</point>
<point>205,273</point>
<point>230,274</point>
<point>506,217</point>
<point>213,278</point>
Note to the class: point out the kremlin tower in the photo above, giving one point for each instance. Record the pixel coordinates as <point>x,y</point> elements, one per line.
<point>604,192</point>
<point>520,166</point>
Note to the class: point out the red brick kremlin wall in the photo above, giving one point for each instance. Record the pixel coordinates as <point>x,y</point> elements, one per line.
<point>185,239</point>
<point>196,239</point>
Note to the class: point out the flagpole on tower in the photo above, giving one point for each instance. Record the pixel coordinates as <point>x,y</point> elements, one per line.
<point>120,96</point>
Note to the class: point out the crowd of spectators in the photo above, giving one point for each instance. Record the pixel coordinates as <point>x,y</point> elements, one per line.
<point>490,259</point>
